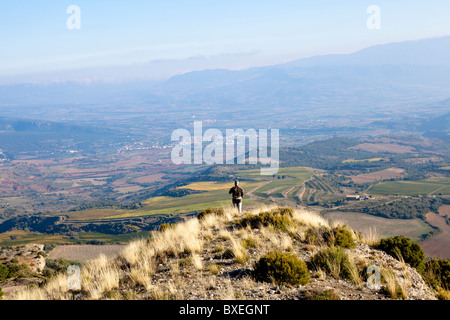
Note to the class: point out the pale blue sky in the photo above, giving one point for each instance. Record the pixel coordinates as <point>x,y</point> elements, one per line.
<point>34,36</point>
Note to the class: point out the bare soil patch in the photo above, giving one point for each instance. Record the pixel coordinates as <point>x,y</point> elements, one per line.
<point>387,174</point>
<point>149,178</point>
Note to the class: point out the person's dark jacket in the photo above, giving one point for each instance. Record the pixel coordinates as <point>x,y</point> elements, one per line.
<point>236,192</point>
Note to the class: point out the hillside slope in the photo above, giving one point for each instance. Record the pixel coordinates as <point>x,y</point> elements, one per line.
<point>215,255</point>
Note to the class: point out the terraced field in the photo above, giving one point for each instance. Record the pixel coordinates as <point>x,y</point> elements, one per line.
<point>285,185</point>
<point>319,189</point>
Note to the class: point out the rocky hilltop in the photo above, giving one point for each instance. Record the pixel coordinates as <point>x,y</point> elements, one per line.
<point>269,253</point>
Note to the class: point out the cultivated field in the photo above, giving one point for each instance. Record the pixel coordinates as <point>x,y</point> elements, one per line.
<point>149,178</point>
<point>213,194</point>
<point>438,246</point>
<point>413,229</point>
<point>20,237</point>
<point>84,253</point>
<point>430,186</point>
<point>212,186</point>
<point>285,185</point>
<point>387,174</point>
<point>384,147</point>
<point>60,184</point>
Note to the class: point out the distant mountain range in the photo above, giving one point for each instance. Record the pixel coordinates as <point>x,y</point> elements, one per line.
<point>397,74</point>
<point>427,52</point>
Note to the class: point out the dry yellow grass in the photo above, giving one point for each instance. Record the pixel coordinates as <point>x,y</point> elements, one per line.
<point>56,289</point>
<point>197,262</point>
<point>353,270</point>
<point>371,237</point>
<point>310,219</point>
<point>183,237</point>
<point>207,186</point>
<point>238,250</point>
<point>395,286</point>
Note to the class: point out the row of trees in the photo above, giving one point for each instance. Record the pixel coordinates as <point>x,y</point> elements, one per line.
<point>107,204</point>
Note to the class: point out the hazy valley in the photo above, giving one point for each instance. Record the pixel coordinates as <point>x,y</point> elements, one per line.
<point>364,140</point>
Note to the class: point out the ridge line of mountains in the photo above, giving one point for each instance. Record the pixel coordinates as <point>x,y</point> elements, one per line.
<point>392,74</point>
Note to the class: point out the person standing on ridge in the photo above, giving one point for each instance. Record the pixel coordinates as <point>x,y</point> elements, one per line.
<point>238,195</point>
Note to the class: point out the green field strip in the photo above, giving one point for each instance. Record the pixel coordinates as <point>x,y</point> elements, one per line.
<point>408,188</point>
<point>444,190</point>
<point>24,237</point>
<point>279,192</point>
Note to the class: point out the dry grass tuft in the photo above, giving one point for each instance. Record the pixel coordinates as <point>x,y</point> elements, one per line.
<point>183,237</point>
<point>395,287</point>
<point>310,219</point>
<point>371,237</point>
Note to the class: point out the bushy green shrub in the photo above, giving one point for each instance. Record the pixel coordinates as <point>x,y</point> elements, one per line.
<point>1,294</point>
<point>4,271</point>
<point>437,273</point>
<point>216,211</point>
<point>280,222</point>
<point>282,268</point>
<point>343,237</point>
<point>53,267</point>
<point>339,236</point>
<point>334,261</point>
<point>18,270</point>
<point>410,251</point>
<point>14,270</point>
<point>280,218</point>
